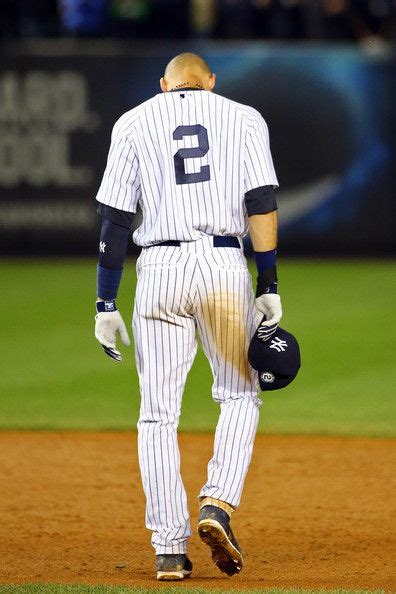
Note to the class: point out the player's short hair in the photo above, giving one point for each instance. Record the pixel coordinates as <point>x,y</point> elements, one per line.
<point>186,61</point>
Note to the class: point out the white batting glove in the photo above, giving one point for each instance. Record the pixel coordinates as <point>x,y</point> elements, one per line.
<point>268,314</point>
<point>108,323</point>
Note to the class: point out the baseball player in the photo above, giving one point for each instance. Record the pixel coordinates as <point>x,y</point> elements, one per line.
<point>199,166</point>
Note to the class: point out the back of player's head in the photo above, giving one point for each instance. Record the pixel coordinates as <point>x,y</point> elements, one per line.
<point>186,62</point>
<point>187,68</point>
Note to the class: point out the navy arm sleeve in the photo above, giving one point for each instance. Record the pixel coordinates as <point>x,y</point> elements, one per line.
<point>116,216</point>
<point>114,234</point>
<point>116,227</point>
<point>260,200</point>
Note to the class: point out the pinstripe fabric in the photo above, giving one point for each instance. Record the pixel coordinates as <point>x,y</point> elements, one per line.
<point>179,290</point>
<point>140,167</point>
<point>190,189</point>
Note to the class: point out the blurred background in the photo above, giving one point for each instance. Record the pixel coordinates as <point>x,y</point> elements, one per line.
<point>321,72</point>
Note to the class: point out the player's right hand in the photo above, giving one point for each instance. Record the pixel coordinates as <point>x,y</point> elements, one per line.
<point>108,323</point>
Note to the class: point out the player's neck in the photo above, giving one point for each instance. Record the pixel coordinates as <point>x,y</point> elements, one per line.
<point>187,85</point>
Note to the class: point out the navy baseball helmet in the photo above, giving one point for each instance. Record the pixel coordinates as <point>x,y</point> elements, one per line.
<point>277,359</point>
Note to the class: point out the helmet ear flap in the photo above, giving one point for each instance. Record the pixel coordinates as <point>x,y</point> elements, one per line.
<point>277,360</point>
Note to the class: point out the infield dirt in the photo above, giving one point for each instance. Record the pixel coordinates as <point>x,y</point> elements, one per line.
<point>316,513</point>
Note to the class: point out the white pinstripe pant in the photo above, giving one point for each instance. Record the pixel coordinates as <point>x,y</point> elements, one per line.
<point>179,290</point>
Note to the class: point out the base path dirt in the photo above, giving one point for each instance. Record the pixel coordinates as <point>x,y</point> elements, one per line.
<point>316,512</point>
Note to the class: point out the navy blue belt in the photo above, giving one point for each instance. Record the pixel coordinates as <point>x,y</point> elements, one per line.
<point>218,241</point>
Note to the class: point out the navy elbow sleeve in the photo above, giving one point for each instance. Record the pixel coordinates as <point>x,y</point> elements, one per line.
<point>115,215</point>
<point>113,245</point>
<point>112,252</point>
<point>260,200</point>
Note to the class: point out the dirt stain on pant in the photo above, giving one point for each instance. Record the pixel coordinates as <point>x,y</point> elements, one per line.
<point>225,319</point>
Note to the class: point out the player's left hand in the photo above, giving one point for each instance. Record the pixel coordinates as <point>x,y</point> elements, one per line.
<point>108,323</point>
<point>268,314</point>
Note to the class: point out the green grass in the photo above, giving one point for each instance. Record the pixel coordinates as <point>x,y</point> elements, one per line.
<point>61,589</point>
<point>55,376</point>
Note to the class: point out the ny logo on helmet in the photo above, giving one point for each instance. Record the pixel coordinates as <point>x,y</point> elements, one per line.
<point>278,344</point>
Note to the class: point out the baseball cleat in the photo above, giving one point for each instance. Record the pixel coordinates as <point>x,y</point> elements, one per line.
<point>173,567</point>
<point>214,530</point>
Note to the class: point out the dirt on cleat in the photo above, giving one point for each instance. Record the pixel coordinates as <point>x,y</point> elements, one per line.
<point>223,551</point>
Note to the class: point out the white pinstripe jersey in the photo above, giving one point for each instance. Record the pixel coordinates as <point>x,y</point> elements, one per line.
<point>187,157</point>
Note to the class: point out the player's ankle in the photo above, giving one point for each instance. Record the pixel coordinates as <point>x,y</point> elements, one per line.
<point>217,503</point>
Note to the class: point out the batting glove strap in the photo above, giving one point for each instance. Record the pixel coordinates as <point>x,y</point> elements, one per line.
<point>105,306</point>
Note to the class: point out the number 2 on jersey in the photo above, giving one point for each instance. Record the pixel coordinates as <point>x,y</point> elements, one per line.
<point>195,152</point>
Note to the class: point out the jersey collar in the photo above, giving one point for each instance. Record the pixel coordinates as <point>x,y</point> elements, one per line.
<point>185,89</point>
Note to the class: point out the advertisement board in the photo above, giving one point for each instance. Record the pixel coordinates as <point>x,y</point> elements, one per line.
<point>329,110</point>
